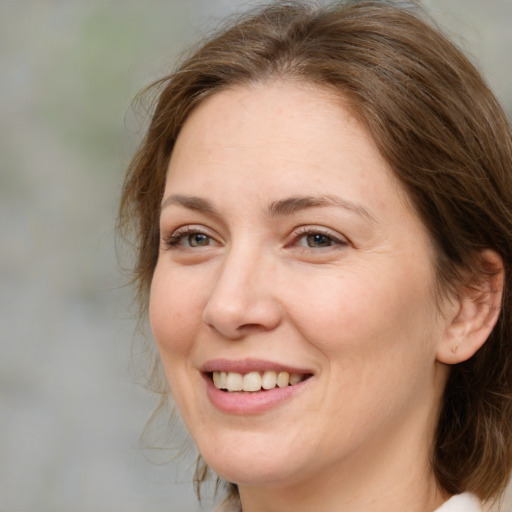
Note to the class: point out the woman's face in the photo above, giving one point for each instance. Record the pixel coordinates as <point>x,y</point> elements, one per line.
<point>286,248</point>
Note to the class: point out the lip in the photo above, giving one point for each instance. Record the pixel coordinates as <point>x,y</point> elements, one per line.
<point>244,403</point>
<point>250,365</point>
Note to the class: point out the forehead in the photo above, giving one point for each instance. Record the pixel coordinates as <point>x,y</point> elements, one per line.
<point>280,139</point>
<point>276,124</point>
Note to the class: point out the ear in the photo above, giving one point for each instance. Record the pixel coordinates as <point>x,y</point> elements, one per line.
<point>474,312</point>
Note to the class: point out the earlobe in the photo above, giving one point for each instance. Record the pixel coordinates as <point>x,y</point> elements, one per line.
<point>475,312</point>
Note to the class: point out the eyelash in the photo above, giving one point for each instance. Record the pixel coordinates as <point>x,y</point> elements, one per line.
<point>306,231</point>
<point>174,240</point>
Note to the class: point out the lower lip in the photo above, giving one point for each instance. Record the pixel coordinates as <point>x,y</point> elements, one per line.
<point>250,402</point>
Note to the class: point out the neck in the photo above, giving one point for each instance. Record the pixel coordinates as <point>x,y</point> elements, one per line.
<point>392,473</point>
<point>329,494</point>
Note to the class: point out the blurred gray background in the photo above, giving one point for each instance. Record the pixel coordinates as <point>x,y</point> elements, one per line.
<point>71,411</point>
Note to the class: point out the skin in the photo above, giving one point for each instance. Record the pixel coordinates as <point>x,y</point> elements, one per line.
<point>357,309</point>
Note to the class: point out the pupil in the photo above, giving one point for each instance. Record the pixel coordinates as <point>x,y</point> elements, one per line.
<point>198,240</point>
<point>318,240</point>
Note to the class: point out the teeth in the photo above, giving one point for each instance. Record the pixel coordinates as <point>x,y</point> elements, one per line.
<point>234,381</point>
<point>255,381</point>
<point>295,378</point>
<point>220,380</point>
<point>252,381</point>
<point>269,380</point>
<point>283,379</point>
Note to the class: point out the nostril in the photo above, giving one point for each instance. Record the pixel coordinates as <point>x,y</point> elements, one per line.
<point>253,327</point>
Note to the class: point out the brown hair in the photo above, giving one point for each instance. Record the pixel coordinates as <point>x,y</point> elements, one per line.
<point>446,140</point>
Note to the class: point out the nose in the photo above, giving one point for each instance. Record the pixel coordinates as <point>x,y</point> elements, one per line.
<point>243,298</point>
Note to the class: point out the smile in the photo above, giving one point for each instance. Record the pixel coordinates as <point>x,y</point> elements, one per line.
<point>255,381</point>
<point>252,386</point>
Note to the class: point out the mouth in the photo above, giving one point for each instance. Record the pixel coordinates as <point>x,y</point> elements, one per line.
<point>252,386</point>
<point>255,381</point>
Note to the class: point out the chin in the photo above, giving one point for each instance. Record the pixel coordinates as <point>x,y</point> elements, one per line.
<point>250,473</point>
<point>253,464</point>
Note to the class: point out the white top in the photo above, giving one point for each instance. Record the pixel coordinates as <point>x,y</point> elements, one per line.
<point>461,503</point>
<point>465,502</point>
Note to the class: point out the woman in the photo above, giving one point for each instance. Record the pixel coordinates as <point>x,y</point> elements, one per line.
<point>322,207</point>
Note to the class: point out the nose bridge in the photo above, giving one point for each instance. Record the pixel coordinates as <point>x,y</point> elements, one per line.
<point>242,295</point>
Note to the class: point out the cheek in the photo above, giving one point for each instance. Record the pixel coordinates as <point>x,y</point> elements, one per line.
<point>364,311</point>
<point>174,311</point>
<point>376,338</point>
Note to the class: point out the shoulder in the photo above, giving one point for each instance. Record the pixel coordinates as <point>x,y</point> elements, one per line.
<point>461,503</point>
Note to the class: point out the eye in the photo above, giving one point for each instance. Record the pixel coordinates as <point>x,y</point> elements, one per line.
<point>189,237</point>
<point>317,239</point>
<point>196,240</point>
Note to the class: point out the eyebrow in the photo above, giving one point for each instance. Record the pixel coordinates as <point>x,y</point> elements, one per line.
<point>197,204</point>
<point>283,207</point>
<point>295,204</point>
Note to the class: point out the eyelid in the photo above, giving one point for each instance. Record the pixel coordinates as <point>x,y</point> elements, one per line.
<point>302,231</point>
<point>171,241</point>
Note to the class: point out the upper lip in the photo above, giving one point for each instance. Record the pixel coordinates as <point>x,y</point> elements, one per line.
<point>250,365</point>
